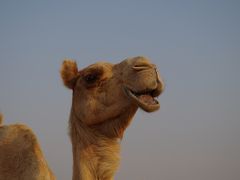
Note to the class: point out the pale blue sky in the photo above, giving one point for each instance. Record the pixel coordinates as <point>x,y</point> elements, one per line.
<point>196,45</point>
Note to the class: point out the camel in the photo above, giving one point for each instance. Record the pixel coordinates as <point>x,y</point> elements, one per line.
<point>21,157</point>
<point>105,97</point>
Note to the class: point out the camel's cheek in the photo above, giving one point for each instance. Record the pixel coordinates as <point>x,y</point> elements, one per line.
<point>102,107</point>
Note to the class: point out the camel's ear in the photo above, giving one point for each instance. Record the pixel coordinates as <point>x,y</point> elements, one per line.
<point>69,73</point>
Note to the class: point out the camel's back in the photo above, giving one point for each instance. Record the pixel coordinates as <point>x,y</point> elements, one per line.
<point>20,155</point>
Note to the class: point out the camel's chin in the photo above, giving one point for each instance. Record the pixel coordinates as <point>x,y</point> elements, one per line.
<point>145,100</point>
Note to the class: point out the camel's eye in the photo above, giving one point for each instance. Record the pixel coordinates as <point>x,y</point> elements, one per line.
<point>91,78</point>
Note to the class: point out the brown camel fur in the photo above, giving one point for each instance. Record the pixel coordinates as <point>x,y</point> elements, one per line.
<point>105,98</point>
<point>21,157</point>
<point>1,119</point>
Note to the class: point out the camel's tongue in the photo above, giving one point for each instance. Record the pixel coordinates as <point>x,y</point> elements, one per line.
<point>147,99</point>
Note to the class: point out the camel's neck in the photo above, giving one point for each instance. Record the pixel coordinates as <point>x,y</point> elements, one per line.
<point>97,161</point>
<point>96,149</point>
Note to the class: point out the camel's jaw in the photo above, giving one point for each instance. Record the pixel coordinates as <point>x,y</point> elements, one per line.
<point>146,99</point>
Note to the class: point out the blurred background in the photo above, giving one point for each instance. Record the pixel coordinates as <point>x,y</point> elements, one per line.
<point>195,44</point>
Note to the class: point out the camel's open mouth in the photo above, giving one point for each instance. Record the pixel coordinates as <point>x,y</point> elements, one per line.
<point>144,99</point>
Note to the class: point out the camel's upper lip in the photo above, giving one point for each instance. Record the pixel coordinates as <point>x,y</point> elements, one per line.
<point>145,99</point>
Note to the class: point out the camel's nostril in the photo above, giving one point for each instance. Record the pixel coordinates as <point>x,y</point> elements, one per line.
<point>142,66</point>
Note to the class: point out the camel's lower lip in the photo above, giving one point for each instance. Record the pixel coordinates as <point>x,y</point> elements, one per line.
<point>145,100</point>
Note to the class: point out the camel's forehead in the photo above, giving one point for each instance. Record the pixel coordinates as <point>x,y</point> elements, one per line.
<point>98,65</point>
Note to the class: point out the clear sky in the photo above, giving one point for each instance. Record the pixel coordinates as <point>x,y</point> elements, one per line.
<point>196,45</point>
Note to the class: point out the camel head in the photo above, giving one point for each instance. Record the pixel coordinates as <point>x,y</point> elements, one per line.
<point>104,91</point>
